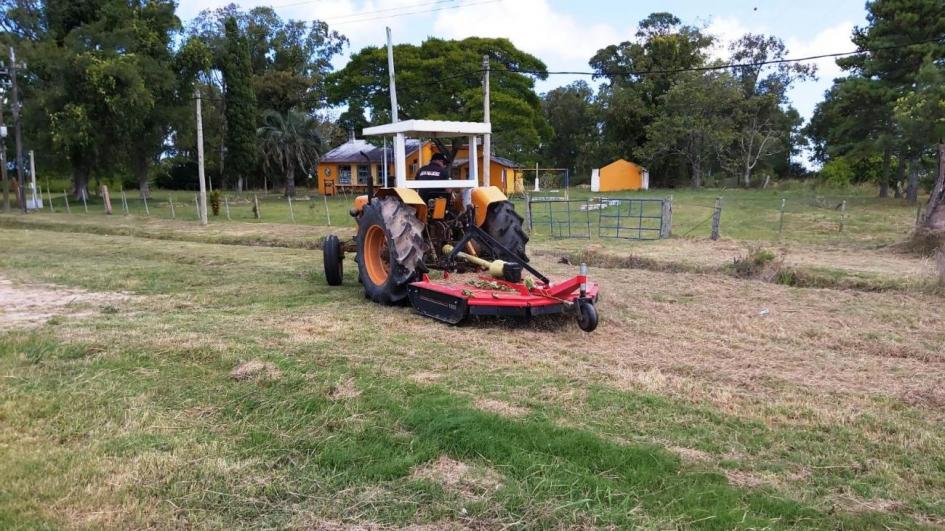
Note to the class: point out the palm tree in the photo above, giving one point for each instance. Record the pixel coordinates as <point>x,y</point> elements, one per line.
<point>289,143</point>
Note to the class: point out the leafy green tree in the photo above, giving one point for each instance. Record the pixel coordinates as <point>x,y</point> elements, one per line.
<point>569,111</point>
<point>922,116</point>
<point>638,73</point>
<point>289,143</point>
<point>441,79</point>
<point>694,122</point>
<point>240,102</point>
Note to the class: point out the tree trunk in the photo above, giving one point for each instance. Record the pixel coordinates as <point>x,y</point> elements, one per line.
<point>696,175</point>
<point>80,181</point>
<point>239,185</point>
<point>747,175</point>
<point>290,182</point>
<point>935,212</point>
<point>140,168</point>
<point>900,175</point>
<point>884,177</point>
<point>912,189</point>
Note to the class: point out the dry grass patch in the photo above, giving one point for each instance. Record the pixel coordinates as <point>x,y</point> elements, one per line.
<point>499,407</point>
<point>256,371</point>
<point>455,476</point>
<point>344,390</point>
<point>34,304</point>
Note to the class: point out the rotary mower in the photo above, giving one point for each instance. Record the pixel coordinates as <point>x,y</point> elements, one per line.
<point>459,253</point>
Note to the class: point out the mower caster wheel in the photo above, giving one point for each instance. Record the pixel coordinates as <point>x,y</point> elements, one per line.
<point>587,315</point>
<point>334,259</point>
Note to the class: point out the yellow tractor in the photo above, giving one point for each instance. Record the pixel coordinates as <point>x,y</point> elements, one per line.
<point>463,228</point>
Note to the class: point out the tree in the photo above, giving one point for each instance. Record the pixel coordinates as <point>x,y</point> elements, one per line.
<point>441,79</point>
<point>694,121</point>
<point>638,74</point>
<point>289,143</point>
<point>240,102</point>
<point>569,111</point>
<point>765,124</point>
<point>922,117</point>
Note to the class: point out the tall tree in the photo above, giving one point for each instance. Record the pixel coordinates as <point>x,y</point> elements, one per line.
<point>569,111</point>
<point>240,101</point>
<point>441,79</point>
<point>289,143</point>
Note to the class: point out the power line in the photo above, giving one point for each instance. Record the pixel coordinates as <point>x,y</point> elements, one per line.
<point>615,73</point>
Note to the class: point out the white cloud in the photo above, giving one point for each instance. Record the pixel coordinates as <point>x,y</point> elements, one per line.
<point>533,26</point>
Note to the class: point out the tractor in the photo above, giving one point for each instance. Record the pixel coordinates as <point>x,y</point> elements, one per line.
<point>462,228</point>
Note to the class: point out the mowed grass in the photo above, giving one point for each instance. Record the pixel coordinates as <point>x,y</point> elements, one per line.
<point>684,410</point>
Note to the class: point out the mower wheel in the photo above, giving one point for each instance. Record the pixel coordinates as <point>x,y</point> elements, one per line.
<point>505,225</point>
<point>334,260</point>
<point>587,315</point>
<point>390,249</point>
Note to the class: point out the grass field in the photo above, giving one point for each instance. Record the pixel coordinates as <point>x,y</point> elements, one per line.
<point>156,374</point>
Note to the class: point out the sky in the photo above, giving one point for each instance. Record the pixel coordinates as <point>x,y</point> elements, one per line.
<point>566,33</point>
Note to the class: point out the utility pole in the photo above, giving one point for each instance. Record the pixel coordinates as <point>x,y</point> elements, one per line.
<point>486,138</point>
<point>203,183</point>
<point>17,132</point>
<point>3,159</point>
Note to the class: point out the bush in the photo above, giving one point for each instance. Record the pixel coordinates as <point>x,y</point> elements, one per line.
<point>758,263</point>
<point>837,173</point>
<point>177,175</point>
<point>215,198</point>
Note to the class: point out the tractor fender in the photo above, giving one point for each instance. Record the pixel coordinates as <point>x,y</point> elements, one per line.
<point>484,196</point>
<point>406,196</point>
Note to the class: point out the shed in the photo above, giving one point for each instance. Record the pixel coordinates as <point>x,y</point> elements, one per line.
<point>620,175</point>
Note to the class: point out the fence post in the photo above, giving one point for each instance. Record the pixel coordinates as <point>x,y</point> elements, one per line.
<point>197,205</point>
<point>256,206</point>
<point>528,212</point>
<point>667,222</point>
<point>327,213</point>
<point>170,199</point>
<point>108,200</point>
<point>85,205</point>
<point>66,197</point>
<point>716,218</point>
<point>147,211</point>
<point>124,201</point>
<point>226,206</point>
<point>291,212</point>
<point>781,221</point>
<point>843,213</point>
<point>48,196</point>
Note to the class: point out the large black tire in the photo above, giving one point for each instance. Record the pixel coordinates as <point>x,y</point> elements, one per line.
<point>390,250</point>
<point>333,258</point>
<point>505,225</point>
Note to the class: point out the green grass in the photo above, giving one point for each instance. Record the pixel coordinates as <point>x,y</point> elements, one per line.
<point>131,419</point>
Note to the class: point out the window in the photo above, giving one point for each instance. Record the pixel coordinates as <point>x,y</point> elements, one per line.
<point>379,174</point>
<point>364,173</point>
<point>344,174</point>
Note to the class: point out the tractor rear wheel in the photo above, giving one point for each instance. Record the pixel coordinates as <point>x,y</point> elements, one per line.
<point>390,249</point>
<point>505,225</point>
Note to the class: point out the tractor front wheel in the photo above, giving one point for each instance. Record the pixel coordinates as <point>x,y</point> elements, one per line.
<point>390,249</point>
<point>505,225</point>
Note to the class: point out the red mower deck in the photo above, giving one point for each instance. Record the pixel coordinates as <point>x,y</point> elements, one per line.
<point>452,303</point>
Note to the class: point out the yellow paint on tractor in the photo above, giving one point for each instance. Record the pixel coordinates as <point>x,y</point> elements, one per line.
<point>483,197</point>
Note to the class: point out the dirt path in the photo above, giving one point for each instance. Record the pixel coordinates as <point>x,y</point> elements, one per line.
<point>24,306</point>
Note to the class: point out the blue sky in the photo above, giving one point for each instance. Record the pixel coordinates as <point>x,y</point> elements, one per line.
<point>565,33</point>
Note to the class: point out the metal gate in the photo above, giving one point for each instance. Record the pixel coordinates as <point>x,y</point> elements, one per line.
<point>632,219</point>
<point>565,218</point>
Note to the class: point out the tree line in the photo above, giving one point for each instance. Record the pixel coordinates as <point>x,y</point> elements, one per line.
<point>109,86</point>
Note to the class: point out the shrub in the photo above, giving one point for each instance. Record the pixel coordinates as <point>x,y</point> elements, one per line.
<point>215,198</point>
<point>837,172</point>
<point>758,263</point>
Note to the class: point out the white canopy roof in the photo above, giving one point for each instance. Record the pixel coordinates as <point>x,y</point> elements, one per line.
<point>430,128</point>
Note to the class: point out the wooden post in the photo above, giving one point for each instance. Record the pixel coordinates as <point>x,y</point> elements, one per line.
<point>327,213</point>
<point>781,221</point>
<point>202,205</point>
<point>291,213</point>
<point>843,214</point>
<point>124,201</point>
<point>85,204</point>
<point>3,161</point>
<point>256,206</point>
<point>716,218</point>
<point>48,196</point>
<point>170,199</point>
<point>107,199</point>
<point>17,131</point>
<point>226,206</point>
<point>66,197</point>
<point>147,211</point>
<point>197,206</point>
<point>666,222</point>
